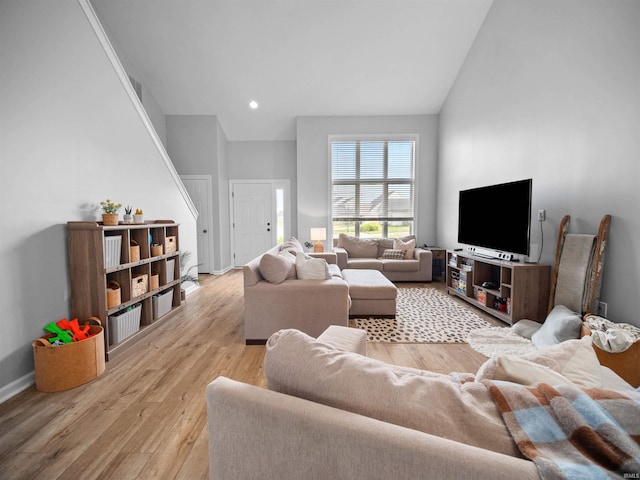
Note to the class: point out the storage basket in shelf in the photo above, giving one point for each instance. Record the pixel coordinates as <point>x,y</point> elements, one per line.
<point>114,297</point>
<point>170,244</point>
<point>124,324</point>
<point>67,366</point>
<point>112,246</point>
<point>139,285</point>
<point>154,281</point>
<point>134,251</point>
<point>156,250</point>
<point>171,269</point>
<point>162,304</point>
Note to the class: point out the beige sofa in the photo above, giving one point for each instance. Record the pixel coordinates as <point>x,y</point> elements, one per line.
<point>359,253</point>
<point>336,414</point>
<point>307,305</point>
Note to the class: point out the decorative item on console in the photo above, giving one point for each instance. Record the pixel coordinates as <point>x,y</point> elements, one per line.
<point>319,235</point>
<point>110,212</point>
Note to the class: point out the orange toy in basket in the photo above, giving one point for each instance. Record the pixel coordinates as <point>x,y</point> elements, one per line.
<point>78,333</point>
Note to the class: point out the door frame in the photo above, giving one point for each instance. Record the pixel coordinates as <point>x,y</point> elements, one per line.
<point>209,181</point>
<point>285,185</point>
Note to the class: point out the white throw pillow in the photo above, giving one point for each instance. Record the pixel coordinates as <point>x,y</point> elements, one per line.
<point>408,247</point>
<point>526,328</point>
<point>276,268</point>
<point>560,325</point>
<point>309,268</point>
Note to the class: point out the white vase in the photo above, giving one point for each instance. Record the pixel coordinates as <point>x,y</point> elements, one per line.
<point>138,219</point>
<point>128,218</point>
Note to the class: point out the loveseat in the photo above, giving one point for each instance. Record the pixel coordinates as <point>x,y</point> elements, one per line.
<point>397,259</point>
<point>275,298</point>
<point>335,414</point>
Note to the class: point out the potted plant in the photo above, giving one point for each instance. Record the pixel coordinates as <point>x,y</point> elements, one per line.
<point>308,246</point>
<point>110,212</point>
<point>128,218</point>
<point>138,217</point>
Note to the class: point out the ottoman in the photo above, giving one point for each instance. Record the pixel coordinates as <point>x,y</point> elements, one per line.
<point>372,294</point>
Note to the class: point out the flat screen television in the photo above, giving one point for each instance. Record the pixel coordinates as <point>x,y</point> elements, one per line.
<point>497,217</point>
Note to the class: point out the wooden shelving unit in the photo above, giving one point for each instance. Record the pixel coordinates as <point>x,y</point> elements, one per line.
<point>520,290</point>
<point>92,267</point>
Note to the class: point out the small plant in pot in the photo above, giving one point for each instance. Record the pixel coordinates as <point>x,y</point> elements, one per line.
<point>138,217</point>
<point>128,218</point>
<point>110,212</point>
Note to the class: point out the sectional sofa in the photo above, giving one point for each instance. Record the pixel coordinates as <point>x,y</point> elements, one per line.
<point>397,259</point>
<point>332,412</point>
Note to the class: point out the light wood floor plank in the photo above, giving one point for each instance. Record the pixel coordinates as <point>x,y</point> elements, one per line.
<point>145,417</point>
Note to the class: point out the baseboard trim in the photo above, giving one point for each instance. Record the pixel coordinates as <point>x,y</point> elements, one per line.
<point>17,386</point>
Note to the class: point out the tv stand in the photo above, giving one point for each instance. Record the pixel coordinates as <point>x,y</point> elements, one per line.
<point>522,289</point>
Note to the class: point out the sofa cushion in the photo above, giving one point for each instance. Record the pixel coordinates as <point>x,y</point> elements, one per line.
<point>309,268</point>
<point>358,247</point>
<point>292,246</point>
<point>299,365</point>
<point>408,247</point>
<point>404,265</point>
<point>392,254</point>
<point>575,360</point>
<point>365,263</point>
<point>560,325</point>
<point>387,243</point>
<point>277,267</point>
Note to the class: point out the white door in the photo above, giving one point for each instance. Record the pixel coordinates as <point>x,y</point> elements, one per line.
<point>199,189</point>
<point>253,220</point>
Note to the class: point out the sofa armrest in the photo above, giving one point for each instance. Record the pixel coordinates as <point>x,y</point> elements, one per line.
<point>292,438</point>
<point>342,257</point>
<point>330,257</point>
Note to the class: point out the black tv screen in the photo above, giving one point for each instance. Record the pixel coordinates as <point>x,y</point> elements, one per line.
<point>496,217</point>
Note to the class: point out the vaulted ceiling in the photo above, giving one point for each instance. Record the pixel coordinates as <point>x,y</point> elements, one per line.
<point>293,57</point>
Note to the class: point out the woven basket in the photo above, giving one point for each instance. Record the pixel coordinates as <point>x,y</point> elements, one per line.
<point>67,366</point>
<point>134,251</point>
<point>113,294</point>
<point>110,219</point>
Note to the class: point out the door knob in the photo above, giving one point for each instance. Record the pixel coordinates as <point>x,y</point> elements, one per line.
<point>204,231</point>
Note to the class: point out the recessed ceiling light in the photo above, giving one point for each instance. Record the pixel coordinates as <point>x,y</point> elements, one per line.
<point>253,104</point>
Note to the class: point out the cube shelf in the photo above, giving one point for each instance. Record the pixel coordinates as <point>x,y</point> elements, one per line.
<point>100,254</point>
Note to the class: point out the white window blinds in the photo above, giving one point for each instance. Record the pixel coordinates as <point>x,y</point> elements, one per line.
<point>373,180</point>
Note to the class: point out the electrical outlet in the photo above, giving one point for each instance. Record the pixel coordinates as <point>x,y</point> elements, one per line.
<point>602,309</point>
<point>542,215</point>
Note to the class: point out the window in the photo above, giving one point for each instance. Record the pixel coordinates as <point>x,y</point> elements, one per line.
<point>373,187</point>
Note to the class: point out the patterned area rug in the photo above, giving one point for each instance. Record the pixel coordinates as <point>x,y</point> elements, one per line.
<point>423,315</point>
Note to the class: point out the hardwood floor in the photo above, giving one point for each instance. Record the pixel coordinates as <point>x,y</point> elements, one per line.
<point>145,417</point>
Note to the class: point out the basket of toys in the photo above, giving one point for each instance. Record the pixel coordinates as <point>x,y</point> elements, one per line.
<point>69,355</point>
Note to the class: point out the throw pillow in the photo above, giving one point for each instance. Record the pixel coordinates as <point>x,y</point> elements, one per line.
<point>387,243</point>
<point>309,268</point>
<point>394,254</point>
<point>358,247</point>
<point>277,267</point>
<point>526,328</point>
<point>560,325</point>
<point>408,247</point>
<point>292,246</point>
<point>299,365</point>
<point>574,359</point>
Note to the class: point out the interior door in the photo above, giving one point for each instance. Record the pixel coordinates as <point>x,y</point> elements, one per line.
<point>199,189</point>
<point>253,228</point>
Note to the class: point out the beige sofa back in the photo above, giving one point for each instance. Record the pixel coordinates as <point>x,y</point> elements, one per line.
<point>307,305</point>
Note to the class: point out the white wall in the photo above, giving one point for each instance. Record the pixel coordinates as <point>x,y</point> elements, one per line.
<point>313,164</point>
<point>70,137</point>
<point>197,145</point>
<point>549,90</point>
<point>265,161</point>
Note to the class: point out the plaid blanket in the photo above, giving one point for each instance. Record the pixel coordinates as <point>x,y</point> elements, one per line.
<point>570,432</point>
